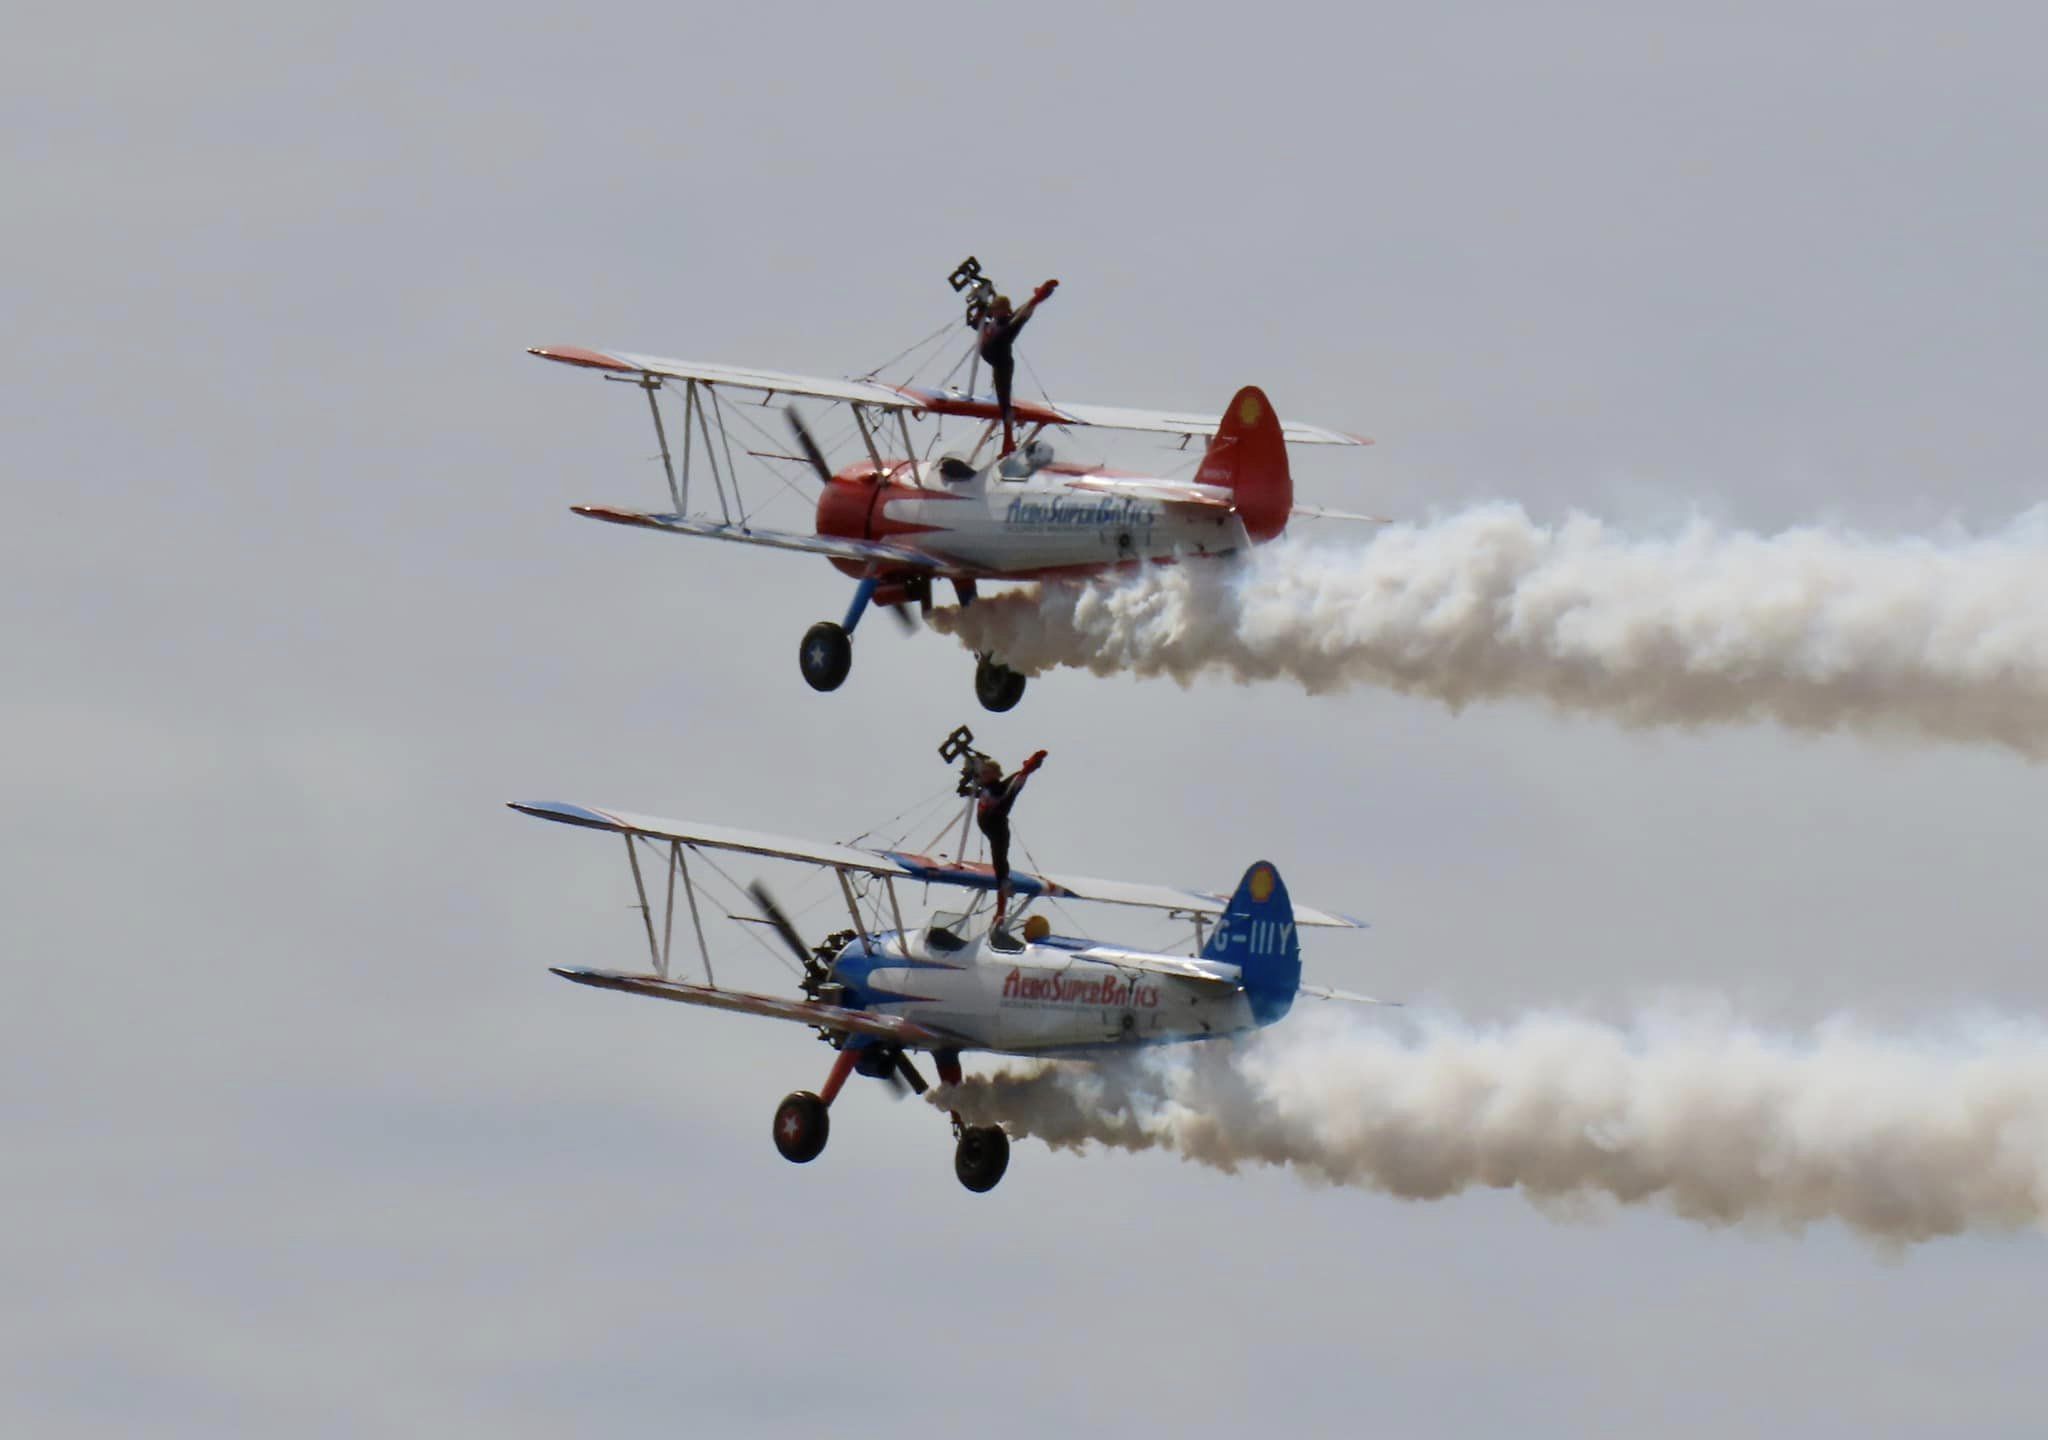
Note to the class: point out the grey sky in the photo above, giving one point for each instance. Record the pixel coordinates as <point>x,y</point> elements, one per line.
<point>302,1136</point>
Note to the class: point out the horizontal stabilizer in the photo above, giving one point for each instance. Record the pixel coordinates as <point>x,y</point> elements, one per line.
<point>1321,512</point>
<point>1324,992</point>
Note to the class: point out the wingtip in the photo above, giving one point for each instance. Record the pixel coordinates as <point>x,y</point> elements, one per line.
<point>578,355</point>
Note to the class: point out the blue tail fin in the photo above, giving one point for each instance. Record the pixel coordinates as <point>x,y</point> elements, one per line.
<point>1256,933</point>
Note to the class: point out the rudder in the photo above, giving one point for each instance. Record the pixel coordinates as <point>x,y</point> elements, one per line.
<point>1249,457</point>
<point>1256,933</point>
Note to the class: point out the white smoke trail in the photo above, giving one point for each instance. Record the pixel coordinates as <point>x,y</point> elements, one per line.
<point>1901,1139</point>
<point>1813,628</point>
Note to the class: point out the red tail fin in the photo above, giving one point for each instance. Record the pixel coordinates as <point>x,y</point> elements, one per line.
<point>1249,456</point>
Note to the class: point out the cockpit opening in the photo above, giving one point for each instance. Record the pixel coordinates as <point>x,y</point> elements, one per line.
<point>1027,461</point>
<point>950,930</point>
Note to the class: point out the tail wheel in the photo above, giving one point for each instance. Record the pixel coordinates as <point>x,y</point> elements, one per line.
<point>981,1157</point>
<point>826,655</point>
<point>996,685</point>
<point>802,1124</point>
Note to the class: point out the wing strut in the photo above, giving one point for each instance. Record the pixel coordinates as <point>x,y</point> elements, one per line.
<point>867,438</point>
<point>710,454</point>
<point>654,951</point>
<point>696,920</point>
<point>676,865</point>
<point>675,494</point>
<point>852,906</point>
<point>725,438</point>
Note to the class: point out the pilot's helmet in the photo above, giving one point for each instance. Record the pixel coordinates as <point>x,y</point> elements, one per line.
<point>1036,928</point>
<point>1038,453</point>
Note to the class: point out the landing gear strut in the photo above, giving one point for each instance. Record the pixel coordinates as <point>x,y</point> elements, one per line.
<point>996,685</point>
<point>803,1121</point>
<point>827,652</point>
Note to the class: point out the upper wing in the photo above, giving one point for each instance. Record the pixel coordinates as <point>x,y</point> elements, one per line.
<point>768,382</point>
<point>942,870</point>
<point>1171,422</point>
<point>713,837</point>
<point>1194,902</point>
<point>912,397</point>
<point>865,552</point>
<point>1111,417</point>
<point>804,1012</point>
<point>905,863</point>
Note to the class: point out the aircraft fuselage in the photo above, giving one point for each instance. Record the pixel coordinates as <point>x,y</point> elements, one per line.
<point>1056,996</point>
<point>1046,522</point>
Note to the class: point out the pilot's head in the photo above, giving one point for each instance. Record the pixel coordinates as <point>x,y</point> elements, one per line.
<point>1036,928</point>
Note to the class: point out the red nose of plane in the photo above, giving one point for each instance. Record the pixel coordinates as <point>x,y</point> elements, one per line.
<point>844,504</point>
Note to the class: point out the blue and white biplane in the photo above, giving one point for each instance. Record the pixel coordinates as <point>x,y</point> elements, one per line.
<point>881,989</point>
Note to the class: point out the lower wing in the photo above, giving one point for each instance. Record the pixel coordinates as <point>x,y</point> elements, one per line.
<point>804,1012</point>
<point>862,552</point>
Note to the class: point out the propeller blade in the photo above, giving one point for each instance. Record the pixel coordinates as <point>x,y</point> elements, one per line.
<point>780,921</point>
<point>809,446</point>
<point>904,618</point>
<point>907,1073</point>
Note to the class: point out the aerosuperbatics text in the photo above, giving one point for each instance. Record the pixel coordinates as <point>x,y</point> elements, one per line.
<point>1107,991</point>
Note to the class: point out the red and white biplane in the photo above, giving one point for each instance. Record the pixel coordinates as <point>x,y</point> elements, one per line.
<point>902,515</point>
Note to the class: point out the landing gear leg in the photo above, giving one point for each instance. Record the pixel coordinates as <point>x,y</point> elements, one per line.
<point>826,655</point>
<point>981,1153</point>
<point>803,1121</point>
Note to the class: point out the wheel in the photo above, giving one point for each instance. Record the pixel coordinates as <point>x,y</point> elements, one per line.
<point>826,655</point>
<point>802,1124</point>
<point>996,685</point>
<point>981,1157</point>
